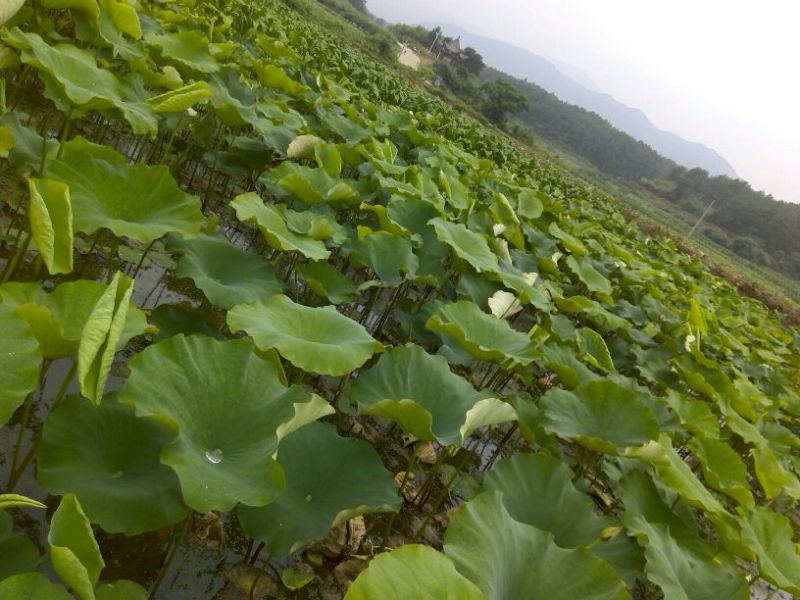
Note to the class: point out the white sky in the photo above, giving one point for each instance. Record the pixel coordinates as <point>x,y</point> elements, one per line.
<point>722,72</point>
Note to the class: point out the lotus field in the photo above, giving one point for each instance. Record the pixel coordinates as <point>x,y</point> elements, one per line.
<point>278,324</point>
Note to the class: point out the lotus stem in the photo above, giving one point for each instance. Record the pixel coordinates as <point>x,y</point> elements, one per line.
<point>410,464</point>
<point>15,260</point>
<point>440,498</point>
<point>43,159</point>
<point>64,133</point>
<point>23,425</point>
<point>499,448</point>
<point>175,541</point>
<point>172,135</point>
<point>141,260</point>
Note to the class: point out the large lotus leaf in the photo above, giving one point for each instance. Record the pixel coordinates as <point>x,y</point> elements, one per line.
<point>470,246</point>
<point>769,535</point>
<point>681,572</point>
<point>58,318</point>
<point>538,490</point>
<point>484,336</point>
<point>508,559</point>
<point>569,241</point>
<point>314,185</point>
<point>678,475</point>
<point>774,478</point>
<point>101,336</point>
<point>723,468</point>
<point>591,277</point>
<point>74,73</point>
<point>227,274</point>
<point>327,281</point>
<point>187,48</point>
<point>50,215</point>
<point>317,340</point>
<point>32,586</point>
<point>109,459</point>
<point>20,361</point>
<point>318,223</point>
<point>250,207</point>
<point>390,256</point>
<point>17,555</point>
<point>229,409</point>
<point>418,391</point>
<point>412,571</point>
<point>74,553</point>
<point>329,479</point>
<point>602,415</point>
<point>138,201</point>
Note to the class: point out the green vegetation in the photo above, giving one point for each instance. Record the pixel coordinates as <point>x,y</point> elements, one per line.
<point>278,323</point>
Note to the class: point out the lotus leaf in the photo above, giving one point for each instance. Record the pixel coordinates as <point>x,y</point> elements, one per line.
<point>74,553</point>
<point>412,571</point>
<point>229,410</point>
<point>419,392</point>
<point>538,490</point>
<point>26,153</point>
<point>32,586</point>
<point>17,555</point>
<point>227,275</point>
<point>314,185</point>
<point>591,277</point>
<point>769,535</point>
<point>523,562</point>
<point>329,479</point>
<point>484,336</point>
<point>16,500</point>
<point>327,281</point>
<point>50,215</point>
<point>250,208</point>
<point>723,469</point>
<point>468,245</point>
<point>602,415</point>
<point>58,318</point>
<point>317,340</point>
<point>101,336</point>
<point>178,100</point>
<point>73,73</point>
<point>20,361</point>
<point>137,201</point>
<point>189,49</point>
<point>390,256</point>
<point>109,459</point>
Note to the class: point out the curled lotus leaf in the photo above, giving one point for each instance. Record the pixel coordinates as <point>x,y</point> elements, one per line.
<point>421,393</point>
<point>50,215</point>
<point>20,361</point>
<point>483,335</point>
<point>329,479</point>
<point>229,409</point>
<point>138,201</point>
<point>110,459</point>
<point>227,274</point>
<point>412,571</point>
<point>315,339</point>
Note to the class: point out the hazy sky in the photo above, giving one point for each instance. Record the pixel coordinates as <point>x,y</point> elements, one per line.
<point>722,72</point>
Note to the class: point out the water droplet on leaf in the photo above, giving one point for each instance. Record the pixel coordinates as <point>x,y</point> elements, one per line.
<point>214,456</point>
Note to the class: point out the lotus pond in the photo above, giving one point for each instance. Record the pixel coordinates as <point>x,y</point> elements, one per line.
<point>277,324</point>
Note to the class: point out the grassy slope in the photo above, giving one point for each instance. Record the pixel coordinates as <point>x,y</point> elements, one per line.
<point>775,290</point>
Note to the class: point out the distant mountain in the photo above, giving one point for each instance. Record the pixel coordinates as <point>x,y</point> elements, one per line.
<point>573,86</point>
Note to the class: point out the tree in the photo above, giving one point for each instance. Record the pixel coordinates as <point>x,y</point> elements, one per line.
<point>471,61</point>
<point>501,99</point>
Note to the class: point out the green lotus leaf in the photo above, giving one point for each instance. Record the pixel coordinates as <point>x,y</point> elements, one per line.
<point>121,590</point>
<point>101,336</point>
<point>530,204</point>
<point>774,478</point>
<point>50,215</point>
<point>314,185</point>
<point>77,80</point>
<point>601,415</point>
<point>594,349</point>
<point>89,6</point>
<point>318,223</point>
<point>508,559</point>
<point>229,409</point>
<point>769,535</point>
<point>484,336</point>
<point>591,277</point>
<point>570,242</point>
<point>109,459</point>
<point>457,193</point>
<point>74,553</point>
<point>172,319</point>
<point>468,245</point>
<point>186,48</point>
<point>17,555</point>
<point>227,275</point>
<point>15,501</point>
<point>538,490</point>
<point>723,469</point>
<point>58,318</point>
<point>274,77</point>
<point>250,208</point>
<point>32,586</point>
<point>683,573</point>
<point>678,475</point>
<point>327,281</point>
<point>329,479</point>
<point>390,256</point>
<point>137,201</point>
<point>412,571</point>
<point>20,361</point>
<point>317,340</point>
<point>26,153</point>
<point>419,392</point>
<point>351,132</point>
<point>178,100</point>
